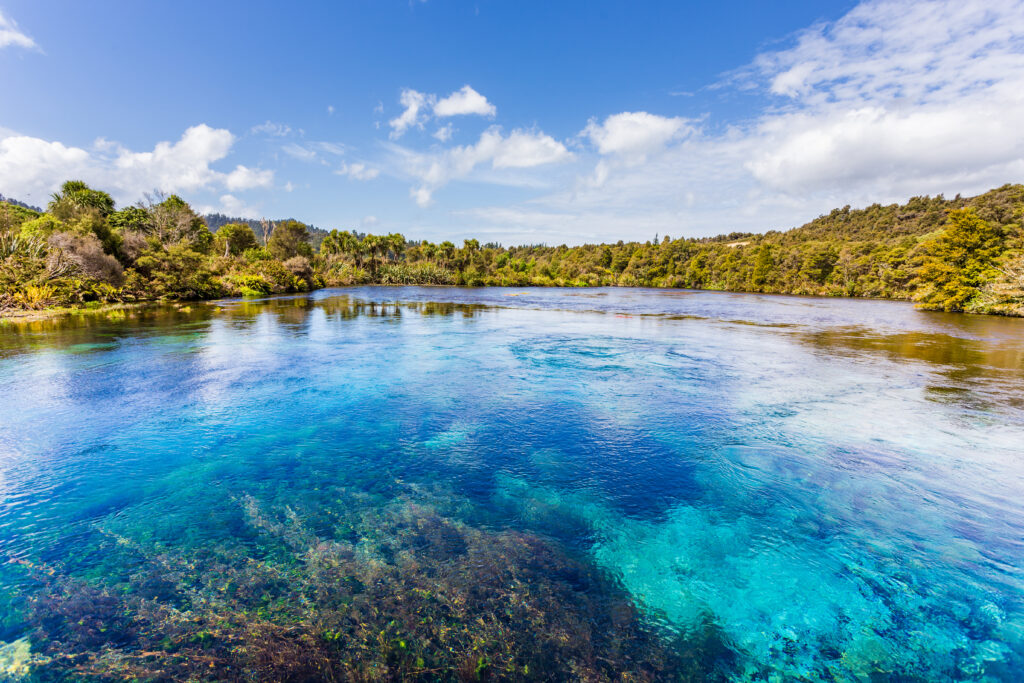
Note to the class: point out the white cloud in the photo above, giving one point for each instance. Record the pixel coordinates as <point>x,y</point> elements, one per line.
<point>32,167</point>
<point>463,102</point>
<point>897,97</point>
<point>11,35</point>
<point>299,152</point>
<point>358,171</point>
<point>230,206</point>
<point>634,135</point>
<point>182,165</point>
<point>422,196</point>
<point>519,150</point>
<point>330,110</point>
<point>243,178</point>
<point>444,133</point>
<point>330,147</point>
<point>271,128</point>
<point>418,108</point>
<point>370,221</point>
<point>413,102</point>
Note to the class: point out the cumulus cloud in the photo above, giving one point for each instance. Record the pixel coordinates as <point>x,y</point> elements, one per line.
<point>230,206</point>
<point>420,107</point>
<point>911,96</point>
<point>243,178</point>
<point>897,98</point>
<point>32,167</point>
<point>634,135</point>
<point>462,102</point>
<point>12,36</point>
<point>520,149</point>
<point>413,102</point>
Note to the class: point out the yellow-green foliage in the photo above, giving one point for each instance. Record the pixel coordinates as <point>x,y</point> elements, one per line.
<point>951,254</point>
<point>12,216</point>
<point>958,262</point>
<point>889,251</point>
<point>43,226</point>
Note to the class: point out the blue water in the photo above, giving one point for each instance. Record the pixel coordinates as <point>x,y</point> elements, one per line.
<point>826,489</point>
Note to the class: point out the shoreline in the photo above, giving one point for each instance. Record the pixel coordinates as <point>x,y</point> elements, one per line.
<point>27,315</point>
<point>18,316</point>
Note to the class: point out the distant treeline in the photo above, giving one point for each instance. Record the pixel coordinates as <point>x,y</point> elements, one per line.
<point>23,205</point>
<point>960,254</point>
<point>216,221</point>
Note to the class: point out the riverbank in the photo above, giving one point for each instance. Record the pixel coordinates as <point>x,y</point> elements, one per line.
<point>14,316</point>
<point>35,315</point>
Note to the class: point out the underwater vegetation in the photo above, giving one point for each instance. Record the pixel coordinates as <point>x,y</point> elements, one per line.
<point>588,485</point>
<point>363,592</point>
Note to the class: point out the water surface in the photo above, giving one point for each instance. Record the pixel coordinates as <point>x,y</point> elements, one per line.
<point>422,480</point>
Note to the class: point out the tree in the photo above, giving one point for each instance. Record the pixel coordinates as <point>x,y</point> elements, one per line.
<point>290,238</point>
<point>342,243</point>
<point>396,244</point>
<point>176,272</point>
<point>374,245</point>
<point>130,218</point>
<point>333,244</point>
<point>86,253</point>
<point>84,210</point>
<point>428,250</point>
<point>172,220</point>
<point>266,227</point>
<point>234,239</point>
<point>958,262</point>
<point>76,197</point>
<point>763,266</point>
<point>446,250</point>
<point>818,262</point>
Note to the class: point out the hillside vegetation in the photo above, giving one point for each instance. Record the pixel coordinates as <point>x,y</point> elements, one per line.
<point>960,254</point>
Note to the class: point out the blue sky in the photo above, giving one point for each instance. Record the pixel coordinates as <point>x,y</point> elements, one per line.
<point>517,122</point>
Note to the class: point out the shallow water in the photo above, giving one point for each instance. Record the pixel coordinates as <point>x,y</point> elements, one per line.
<point>745,487</point>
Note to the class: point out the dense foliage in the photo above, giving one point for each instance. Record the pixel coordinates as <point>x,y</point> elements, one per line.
<point>83,251</point>
<point>961,254</point>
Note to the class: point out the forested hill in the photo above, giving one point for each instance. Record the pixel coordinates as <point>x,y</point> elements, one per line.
<point>15,202</point>
<point>215,221</point>
<point>959,254</point>
<point>919,216</point>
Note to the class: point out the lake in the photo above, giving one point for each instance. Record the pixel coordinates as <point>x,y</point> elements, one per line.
<point>555,484</point>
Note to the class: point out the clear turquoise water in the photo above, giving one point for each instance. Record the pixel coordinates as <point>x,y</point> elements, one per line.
<point>831,487</point>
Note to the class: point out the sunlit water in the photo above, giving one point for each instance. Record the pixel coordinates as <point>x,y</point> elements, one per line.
<point>831,488</point>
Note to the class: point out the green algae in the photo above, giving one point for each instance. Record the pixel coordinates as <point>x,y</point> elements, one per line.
<point>367,589</point>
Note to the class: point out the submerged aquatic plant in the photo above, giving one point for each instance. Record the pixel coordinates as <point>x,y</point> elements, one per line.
<point>394,591</point>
